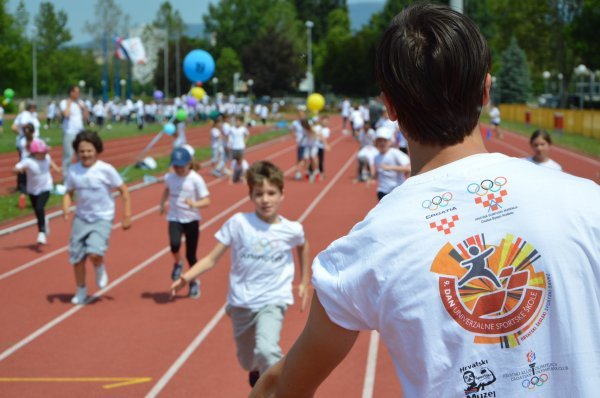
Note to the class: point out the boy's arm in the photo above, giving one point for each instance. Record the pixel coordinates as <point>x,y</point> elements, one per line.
<point>161,206</point>
<point>66,204</point>
<point>55,167</point>
<point>124,191</point>
<point>205,201</point>
<point>400,168</point>
<point>319,349</point>
<point>303,255</point>
<point>199,268</point>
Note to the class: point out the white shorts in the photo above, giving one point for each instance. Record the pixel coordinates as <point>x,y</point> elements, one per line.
<point>367,154</point>
<point>310,152</point>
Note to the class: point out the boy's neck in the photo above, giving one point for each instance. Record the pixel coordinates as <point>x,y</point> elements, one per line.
<point>270,220</point>
<point>424,158</point>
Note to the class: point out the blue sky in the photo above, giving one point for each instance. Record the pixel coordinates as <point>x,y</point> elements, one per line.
<point>140,11</point>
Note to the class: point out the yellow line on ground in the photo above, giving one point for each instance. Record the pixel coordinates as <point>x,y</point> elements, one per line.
<point>114,381</point>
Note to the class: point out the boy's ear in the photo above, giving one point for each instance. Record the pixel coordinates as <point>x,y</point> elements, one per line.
<point>486,89</point>
<point>389,107</point>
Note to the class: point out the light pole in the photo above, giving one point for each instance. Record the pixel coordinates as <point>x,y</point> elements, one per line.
<point>560,86</point>
<point>546,76</point>
<point>581,71</point>
<point>123,82</point>
<point>250,83</point>
<point>309,71</point>
<point>215,81</point>
<point>34,63</point>
<point>493,89</point>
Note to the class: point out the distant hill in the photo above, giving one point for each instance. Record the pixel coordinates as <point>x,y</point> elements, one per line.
<point>360,13</point>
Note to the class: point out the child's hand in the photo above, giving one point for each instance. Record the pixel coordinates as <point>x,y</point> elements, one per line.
<point>161,208</point>
<point>386,167</point>
<point>66,215</point>
<point>126,223</point>
<point>303,293</point>
<point>189,202</point>
<point>178,285</point>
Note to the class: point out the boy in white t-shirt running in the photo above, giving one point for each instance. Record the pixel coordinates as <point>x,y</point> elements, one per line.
<point>391,164</point>
<point>262,270</point>
<point>187,193</point>
<point>92,180</point>
<point>481,273</point>
<point>39,182</point>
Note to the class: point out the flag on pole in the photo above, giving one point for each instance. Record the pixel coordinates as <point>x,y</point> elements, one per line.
<point>132,49</point>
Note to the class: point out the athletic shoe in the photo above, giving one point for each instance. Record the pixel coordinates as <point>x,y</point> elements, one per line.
<point>176,273</point>
<point>101,276</point>
<point>253,377</point>
<point>80,296</point>
<point>298,176</point>
<point>41,239</point>
<point>194,289</point>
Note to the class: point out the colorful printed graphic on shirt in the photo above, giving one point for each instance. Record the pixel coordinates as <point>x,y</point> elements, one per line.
<point>445,225</point>
<point>438,206</point>
<point>489,193</point>
<point>493,291</point>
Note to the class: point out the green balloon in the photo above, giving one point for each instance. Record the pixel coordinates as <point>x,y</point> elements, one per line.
<point>214,114</point>
<point>181,115</point>
<point>9,93</point>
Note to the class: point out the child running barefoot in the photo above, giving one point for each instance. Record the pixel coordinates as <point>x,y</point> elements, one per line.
<point>39,182</point>
<point>187,192</point>
<point>541,142</point>
<point>92,180</point>
<point>262,270</point>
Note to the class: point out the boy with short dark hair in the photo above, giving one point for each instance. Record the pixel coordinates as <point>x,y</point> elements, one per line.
<point>481,272</point>
<point>262,270</point>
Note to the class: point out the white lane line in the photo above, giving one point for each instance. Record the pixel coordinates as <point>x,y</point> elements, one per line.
<point>115,226</point>
<point>512,147</point>
<point>8,352</point>
<point>369,383</point>
<point>189,350</point>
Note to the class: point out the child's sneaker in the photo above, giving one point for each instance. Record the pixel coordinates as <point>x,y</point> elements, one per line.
<point>194,289</point>
<point>298,176</point>
<point>176,273</point>
<point>41,239</point>
<point>101,276</point>
<point>253,377</point>
<point>80,296</point>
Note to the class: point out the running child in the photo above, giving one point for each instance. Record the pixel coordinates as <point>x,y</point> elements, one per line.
<point>92,181</point>
<point>37,166</point>
<point>217,143</point>
<point>262,270</point>
<point>238,136</point>
<point>187,193</point>
<point>322,144</point>
<point>541,142</point>
<point>366,154</point>
<point>239,167</point>
<point>391,164</point>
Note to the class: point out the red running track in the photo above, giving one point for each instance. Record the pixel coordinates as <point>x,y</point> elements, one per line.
<point>133,341</point>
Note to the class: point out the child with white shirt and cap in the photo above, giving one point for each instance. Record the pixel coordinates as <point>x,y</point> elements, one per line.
<point>391,164</point>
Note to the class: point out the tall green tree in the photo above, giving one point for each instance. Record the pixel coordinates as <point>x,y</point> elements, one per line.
<point>15,68</point>
<point>227,64</point>
<point>270,60</point>
<point>51,26</point>
<point>318,11</point>
<point>109,19</point>
<point>169,20</point>
<point>515,85</point>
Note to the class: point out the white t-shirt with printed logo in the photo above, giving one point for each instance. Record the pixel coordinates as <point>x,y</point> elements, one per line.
<point>387,180</point>
<point>93,186</point>
<point>262,263</point>
<point>477,274</point>
<point>192,186</point>
<point>39,178</point>
<point>74,123</point>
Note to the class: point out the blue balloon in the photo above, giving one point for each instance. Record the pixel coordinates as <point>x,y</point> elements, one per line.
<point>169,128</point>
<point>198,66</point>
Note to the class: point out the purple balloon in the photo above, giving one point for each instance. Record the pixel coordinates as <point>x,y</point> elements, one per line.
<point>158,94</point>
<point>191,101</point>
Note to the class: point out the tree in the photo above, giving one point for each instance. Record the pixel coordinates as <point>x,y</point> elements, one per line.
<point>171,22</point>
<point>515,85</point>
<point>109,20</point>
<point>52,31</point>
<point>15,68</point>
<point>227,64</point>
<point>318,11</point>
<point>272,63</point>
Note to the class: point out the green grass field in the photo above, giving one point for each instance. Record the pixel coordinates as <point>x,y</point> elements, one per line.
<point>8,203</point>
<point>586,145</point>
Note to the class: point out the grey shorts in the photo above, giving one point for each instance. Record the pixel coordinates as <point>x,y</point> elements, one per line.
<point>88,238</point>
<point>257,334</point>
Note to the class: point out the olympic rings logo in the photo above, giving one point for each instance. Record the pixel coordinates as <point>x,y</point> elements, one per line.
<point>437,201</point>
<point>535,381</point>
<point>264,246</point>
<point>486,186</point>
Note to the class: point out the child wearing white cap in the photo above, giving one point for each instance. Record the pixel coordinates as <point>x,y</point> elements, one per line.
<point>391,164</point>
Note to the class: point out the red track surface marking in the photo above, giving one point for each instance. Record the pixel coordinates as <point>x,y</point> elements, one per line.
<point>135,331</point>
